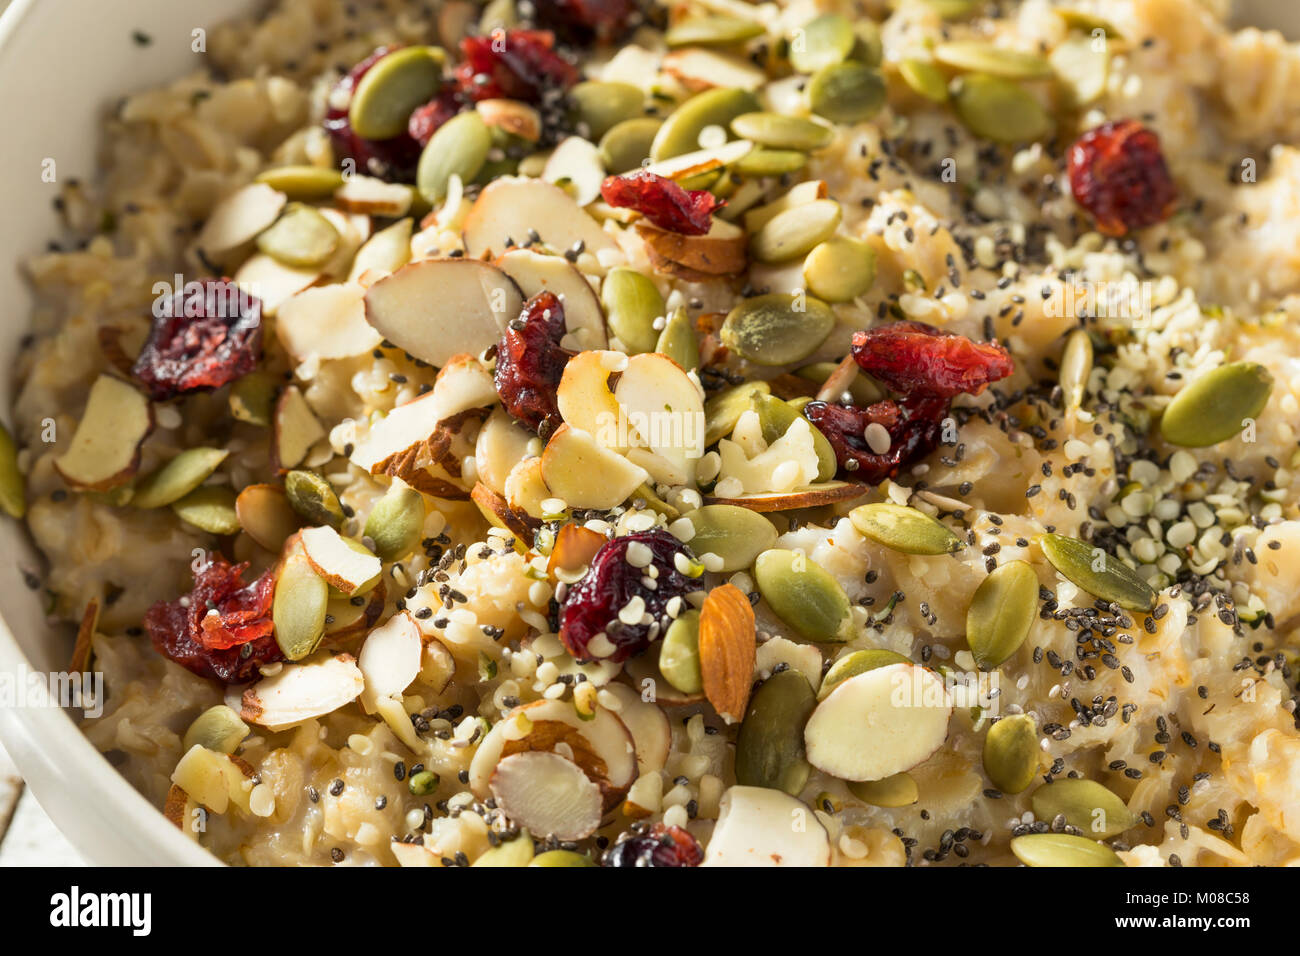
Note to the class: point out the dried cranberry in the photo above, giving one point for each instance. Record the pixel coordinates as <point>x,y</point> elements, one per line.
<point>915,426</point>
<point>911,358</point>
<point>658,845</point>
<point>204,336</point>
<point>223,629</point>
<point>530,363</point>
<point>426,119</point>
<point>514,64</point>
<point>588,21</point>
<point>391,159</point>
<point>688,212</point>
<point>592,606</point>
<point>1118,174</point>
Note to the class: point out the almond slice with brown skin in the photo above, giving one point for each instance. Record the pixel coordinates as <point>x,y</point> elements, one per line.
<point>547,794</point>
<point>105,449</point>
<point>727,650</point>
<point>509,207</point>
<point>302,691</point>
<point>574,548</point>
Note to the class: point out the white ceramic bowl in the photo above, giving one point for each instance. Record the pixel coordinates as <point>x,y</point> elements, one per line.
<point>61,62</point>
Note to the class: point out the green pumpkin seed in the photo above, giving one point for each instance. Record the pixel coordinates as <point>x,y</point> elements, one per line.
<point>679,654</point>
<point>218,729</point>
<point>903,529</point>
<point>13,486</point>
<point>302,183</point>
<point>761,162</point>
<point>1011,753</point>
<point>392,89</point>
<point>736,535</point>
<point>712,31</point>
<point>1082,68</point>
<point>777,329</point>
<point>602,106</point>
<point>301,238</point>
<point>458,148</point>
<point>769,746</point>
<point>858,662</point>
<point>847,92</point>
<point>1076,368</point>
<point>824,40</point>
<point>900,790</point>
<point>1062,849</point>
<point>1000,110</point>
<point>723,410</point>
<point>796,231</point>
<point>1086,805</point>
<point>775,418</point>
<point>840,269</point>
<point>1001,612</point>
<point>561,858</point>
<point>861,389</point>
<point>868,45</point>
<point>1214,407</point>
<point>210,509</point>
<point>313,498</point>
<point>1101,575</point>
<point>680,132</point>
<point>976,56</point>
<point>632,303</point>
<point>804,595</point>
<point>396,522</point>
<point>178,477</point>
<point>252,398</point>
<point>627,144</point>
<point>782,132</point>
<point>299,607</point>
<point>678,341</point>
<point>954,9</point>
<point>924,78</point>
<point>516,852</point>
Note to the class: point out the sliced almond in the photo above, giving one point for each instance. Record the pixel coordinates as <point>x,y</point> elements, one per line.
<point>345,566</point>
<point>296,429</point>
<point>574,548</point>
<point>758,826</point>
<point>548,795</point>
<point>81,650</point>
<point>349,621</point>
<point>328,322</point>
<point>879,723</point>
<point>272,281</point>
<point>439,308</point>
<point>583,316</point>
<point>585,399</point>
<point>700,161</point>
<point>437,665</point>
<point>180,810</point>
<point>665,409</point>
<point>105,449</point>
<point>266,516</point>
<point>722,251</point>
<point>804,658</point>
<point>526,489</point>
<point>497,510</point>
<point>583,474</point>
<point>576,164</point>
<point>649,726</point>
<point>239,218</point>
<point>810,496</point>
<point>213,780</point>
<point>699,69</point>
<point>390,659</point>
<point>383,254</point>
<point>511,116</point>
<point>374,197</point>
<point>302,691</point>
<point>500,445</point>
<point>727,649</point>
<point>601,745</point>
<point>510,207</point>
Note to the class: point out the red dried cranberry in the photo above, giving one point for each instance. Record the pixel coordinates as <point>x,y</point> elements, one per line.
<point>426,119</point>
<point>514,64</point>
<point>204,336</point>
<point>391,159</point>
<point>588,21</point>
<point>530,363</point>
<point>223,629</point>
<point>1118,174</point>
<point>658,845</point>
<point>911,358</point>
<point>688,212</point>
<point>592,605</point>
<point>915,426</point>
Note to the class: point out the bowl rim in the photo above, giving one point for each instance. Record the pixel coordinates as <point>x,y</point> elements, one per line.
<point>107,820</point>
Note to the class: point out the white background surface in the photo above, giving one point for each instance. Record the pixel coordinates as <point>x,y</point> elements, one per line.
<point>27,837</point>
